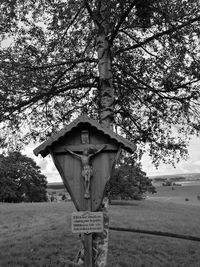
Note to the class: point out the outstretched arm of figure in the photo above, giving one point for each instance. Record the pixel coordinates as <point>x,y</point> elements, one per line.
<point>72,153</point>
<point>98,151</point>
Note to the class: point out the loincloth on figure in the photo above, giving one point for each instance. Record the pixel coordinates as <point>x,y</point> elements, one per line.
<point>87,173</point>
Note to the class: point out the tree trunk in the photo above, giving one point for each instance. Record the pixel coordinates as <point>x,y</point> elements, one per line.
<point>106,101</point>
<point>106,92</point>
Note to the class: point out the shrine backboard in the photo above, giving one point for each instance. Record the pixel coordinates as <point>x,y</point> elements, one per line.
<point>84,134</point>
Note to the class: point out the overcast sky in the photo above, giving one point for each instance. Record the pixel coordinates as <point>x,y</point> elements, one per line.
<point>192,165</point>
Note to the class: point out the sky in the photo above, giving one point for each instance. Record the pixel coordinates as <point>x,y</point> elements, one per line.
<point>192,165</point>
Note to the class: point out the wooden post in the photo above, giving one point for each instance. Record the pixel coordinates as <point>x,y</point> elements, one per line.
<point>88,255</point>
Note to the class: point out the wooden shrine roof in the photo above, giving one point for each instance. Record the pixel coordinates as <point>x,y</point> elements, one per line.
<point>83,119</point>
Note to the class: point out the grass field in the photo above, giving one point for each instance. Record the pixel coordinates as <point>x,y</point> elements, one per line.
<point>39,234</point>
<point>179,194</point>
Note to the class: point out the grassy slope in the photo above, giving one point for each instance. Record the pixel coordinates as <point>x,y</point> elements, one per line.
<point>178,195</point>
<point>39,234</point>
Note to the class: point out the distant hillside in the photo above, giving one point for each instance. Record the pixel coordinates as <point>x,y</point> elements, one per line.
<point>55,186</point>
<point>177,177</point>
<point>156,179</point>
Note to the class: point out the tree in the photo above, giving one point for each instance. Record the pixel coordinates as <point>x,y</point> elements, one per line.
<point>132,64</point>
<point>21,179</point>
<point>129,181</point>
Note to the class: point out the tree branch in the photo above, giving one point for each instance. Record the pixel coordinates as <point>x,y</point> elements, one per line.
<point>157,35</point>
<point>70,61</point>
<point>122,19</point>
<point>159,92</point>
<point>75,17</point>
<point>134,39</point>
<point>49,94</point>
<point>91,13</point>
<point>137,79</point>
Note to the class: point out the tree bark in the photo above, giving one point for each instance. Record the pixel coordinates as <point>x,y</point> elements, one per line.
<point>106,91</point>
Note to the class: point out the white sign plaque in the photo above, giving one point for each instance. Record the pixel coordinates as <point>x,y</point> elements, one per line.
<point>87,222</point>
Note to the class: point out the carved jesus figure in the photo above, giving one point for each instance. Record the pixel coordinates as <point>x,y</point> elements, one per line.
<point>87,171</point>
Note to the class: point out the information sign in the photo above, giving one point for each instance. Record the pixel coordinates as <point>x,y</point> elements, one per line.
<point>87,222</point>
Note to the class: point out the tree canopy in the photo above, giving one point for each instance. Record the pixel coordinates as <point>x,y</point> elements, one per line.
<point>129,181</point>
<point>53,67</point>
<point>21,179</point>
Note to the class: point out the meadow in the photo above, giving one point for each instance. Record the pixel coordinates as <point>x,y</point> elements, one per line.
<point>39,234</point>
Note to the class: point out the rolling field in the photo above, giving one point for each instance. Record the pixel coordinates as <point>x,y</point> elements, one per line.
<point>39,234</point>
<point>186,195</point>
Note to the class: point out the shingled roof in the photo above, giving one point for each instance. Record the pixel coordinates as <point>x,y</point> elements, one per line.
<point>83,119</point>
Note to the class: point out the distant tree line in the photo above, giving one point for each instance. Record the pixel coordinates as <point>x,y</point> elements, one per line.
<point>56,186</point>
<point>21,179</point>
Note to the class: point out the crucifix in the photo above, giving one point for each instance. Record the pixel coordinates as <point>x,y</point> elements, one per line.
<point>87,171</point>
